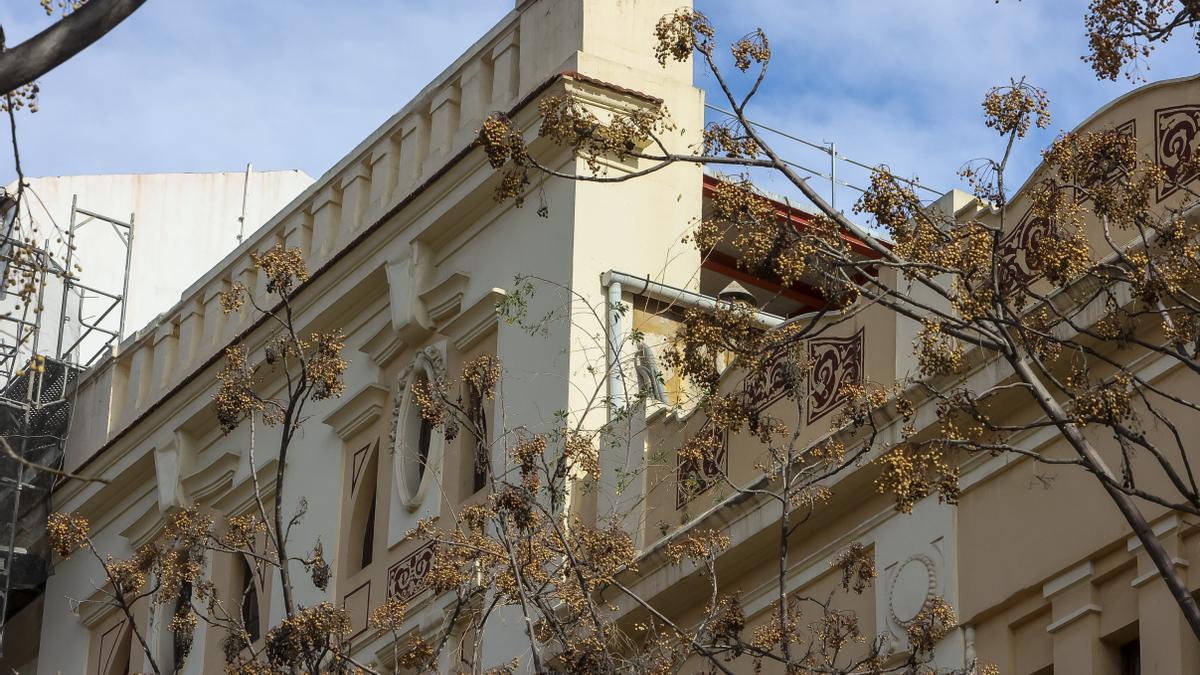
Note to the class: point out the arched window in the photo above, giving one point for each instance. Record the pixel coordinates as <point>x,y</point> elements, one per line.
<point>113,649</point>
<point>364,481</point>
<point>368,537</point>
<point>249,599</point>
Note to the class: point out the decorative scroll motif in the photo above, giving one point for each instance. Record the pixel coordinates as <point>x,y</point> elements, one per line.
<point>1177,146</point>
<point>409,577</point>
<point>1128,129</point>
<point>764,387</point>
<point>833,364</point>
<point>694,478</point>
<point>1017,267</point>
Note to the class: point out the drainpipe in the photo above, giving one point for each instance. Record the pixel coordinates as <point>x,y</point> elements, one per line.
<point>616,378</point>
<point>617,283</point>
<point>676,296</point>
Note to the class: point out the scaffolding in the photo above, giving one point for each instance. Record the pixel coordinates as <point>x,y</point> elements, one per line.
<point>39,365</point>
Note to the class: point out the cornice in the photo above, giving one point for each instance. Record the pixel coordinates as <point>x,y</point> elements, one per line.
<point>358,411</point>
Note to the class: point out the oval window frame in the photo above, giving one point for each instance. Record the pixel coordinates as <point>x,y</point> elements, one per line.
<point>406,423</point>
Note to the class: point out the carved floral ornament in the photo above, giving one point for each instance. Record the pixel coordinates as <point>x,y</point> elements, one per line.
<point>411,471</point>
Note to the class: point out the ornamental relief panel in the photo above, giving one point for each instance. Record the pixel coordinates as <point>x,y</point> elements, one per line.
<point>1017,250</point>
<point>1177,146</point>
<point>1127,128</point>
<point>408,577</point>
<point>694,477</point>
<point>834,363</point>
<point>763,388</point>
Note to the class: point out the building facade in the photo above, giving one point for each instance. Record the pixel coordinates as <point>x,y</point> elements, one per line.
<point>410,256</point>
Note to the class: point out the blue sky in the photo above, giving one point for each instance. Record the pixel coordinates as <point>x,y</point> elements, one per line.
<point>208,85</point>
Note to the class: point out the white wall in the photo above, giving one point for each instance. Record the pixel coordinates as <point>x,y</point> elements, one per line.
<point>184,224</point>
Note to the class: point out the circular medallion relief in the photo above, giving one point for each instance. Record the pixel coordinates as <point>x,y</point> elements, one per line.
<point>915,582</point>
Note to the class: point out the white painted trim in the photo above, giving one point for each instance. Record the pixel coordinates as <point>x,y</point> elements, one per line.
<point>1146,578</point>
<point>1165,525</point>
<point>1073,617</point>
<point>1079,573</point>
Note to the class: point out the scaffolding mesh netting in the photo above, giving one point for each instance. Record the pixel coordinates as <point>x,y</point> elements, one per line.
<point>35,416</point>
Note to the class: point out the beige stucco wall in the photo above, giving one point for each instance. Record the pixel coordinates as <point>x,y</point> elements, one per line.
<point>409,253</point>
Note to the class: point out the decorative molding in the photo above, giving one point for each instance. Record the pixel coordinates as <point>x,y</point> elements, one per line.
<point>1073,616</point>
<point>384,346</point>
<point>1016,250</point>
<point>1127,128</point>
<point>1143,579</point>
<point>408,577</point>
<point>444,301</point>
<point>359,411</point>
<point>1176,146</point>
<point>930,568</point>
<point>763,388</point>
<point>1081,572</point>
<point>473,323</point>
<point>95,609</point>
<point>171,462</point>
<point>409,318</point>
<point>135,480</point>
<point>328,194</point>
<point>693,478</point>
<point>431,361</point>
<point>240,497</point>
<point>212,477</point>
<point>146,526</point>
<point>833,364</point>
<point>1165,525</point>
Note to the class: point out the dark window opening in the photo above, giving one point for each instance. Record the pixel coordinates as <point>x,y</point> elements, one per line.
<point>423,440</point>
<point>180,644</point>
<point>1131,658</point>
<point>368,538</point>
<point>481,461</point>
<point>249,602</point>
